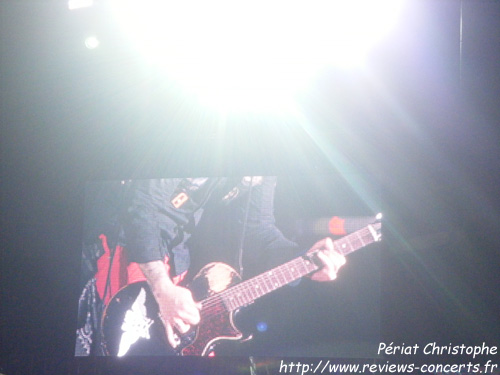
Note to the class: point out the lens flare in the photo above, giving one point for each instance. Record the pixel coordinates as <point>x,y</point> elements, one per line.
<point>241,53</point>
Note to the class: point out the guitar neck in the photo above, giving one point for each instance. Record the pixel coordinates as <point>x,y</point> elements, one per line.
<point>248,291</point>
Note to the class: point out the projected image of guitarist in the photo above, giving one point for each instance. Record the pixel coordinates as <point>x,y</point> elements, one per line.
<point>157,313</point>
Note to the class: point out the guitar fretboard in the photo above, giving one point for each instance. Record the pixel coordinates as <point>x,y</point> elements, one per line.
<point>248,291</point>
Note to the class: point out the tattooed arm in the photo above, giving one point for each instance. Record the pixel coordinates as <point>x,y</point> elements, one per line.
<point>177,308</point>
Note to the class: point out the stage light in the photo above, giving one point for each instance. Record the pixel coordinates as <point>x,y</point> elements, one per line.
<point>92,42</point>
<point>252,54</point>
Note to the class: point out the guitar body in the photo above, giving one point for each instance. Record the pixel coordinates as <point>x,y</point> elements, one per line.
<point>131,324</point>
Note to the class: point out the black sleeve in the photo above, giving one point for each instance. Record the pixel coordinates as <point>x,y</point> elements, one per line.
<point>264,242</point>
<point>149,227</point>
<point>161,215</point>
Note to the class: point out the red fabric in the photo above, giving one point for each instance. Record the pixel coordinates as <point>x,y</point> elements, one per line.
<point>135,274</point>
<point>336,226</point>
<point>118,275</point>
<point>122,273</point>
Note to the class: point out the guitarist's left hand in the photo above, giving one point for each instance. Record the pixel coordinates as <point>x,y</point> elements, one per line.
<point>330,259</point>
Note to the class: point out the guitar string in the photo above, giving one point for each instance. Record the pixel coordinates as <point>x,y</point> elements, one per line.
<point>219,304</point>
<point>241,292</point>
<point>215,306</point>
<point>223,302</point>
<point>240,289</point>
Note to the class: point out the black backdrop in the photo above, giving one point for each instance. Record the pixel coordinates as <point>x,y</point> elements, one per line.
<point>429,138</point>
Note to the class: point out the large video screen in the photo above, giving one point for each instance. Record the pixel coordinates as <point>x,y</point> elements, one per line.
<point>268,266</point>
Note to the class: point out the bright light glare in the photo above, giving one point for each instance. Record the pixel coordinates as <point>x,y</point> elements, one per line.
<point>78,4</point>
<point>234,52</point>
<point>92,42</point>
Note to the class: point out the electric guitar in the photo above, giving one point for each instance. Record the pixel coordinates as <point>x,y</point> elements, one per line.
<point>131,323</point>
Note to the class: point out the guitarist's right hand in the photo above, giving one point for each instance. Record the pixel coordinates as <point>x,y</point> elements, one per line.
<point>178,312</point>
<point>177,308</point>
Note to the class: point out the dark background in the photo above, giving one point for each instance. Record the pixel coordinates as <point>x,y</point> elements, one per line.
<point>426,130</point>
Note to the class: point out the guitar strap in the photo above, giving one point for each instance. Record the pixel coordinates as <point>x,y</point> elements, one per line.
<point>244,227</point>
<point>192,193</point>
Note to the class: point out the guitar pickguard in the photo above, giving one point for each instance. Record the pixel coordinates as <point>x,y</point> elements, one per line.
<point>212,279</point>
<point>216,320</point>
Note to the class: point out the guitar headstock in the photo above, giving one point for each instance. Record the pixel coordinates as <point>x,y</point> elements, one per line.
<point>376,228</point>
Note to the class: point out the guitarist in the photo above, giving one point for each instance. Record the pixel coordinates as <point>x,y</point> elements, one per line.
<point>162,216</point>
